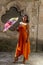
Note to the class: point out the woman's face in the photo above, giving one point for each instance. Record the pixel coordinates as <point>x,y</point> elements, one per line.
<point>24,18</point>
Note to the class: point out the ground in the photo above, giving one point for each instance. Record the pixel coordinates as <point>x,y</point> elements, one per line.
<point>34,59</point>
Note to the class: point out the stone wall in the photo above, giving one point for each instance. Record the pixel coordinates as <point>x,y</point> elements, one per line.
<point>26,7</point>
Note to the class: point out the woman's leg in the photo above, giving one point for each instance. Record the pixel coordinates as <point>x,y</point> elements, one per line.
<point>17,54</point>
<point>15,59</point>
<point>24,60</point>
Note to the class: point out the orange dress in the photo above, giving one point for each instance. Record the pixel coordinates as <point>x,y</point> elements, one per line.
<point>23,47</point>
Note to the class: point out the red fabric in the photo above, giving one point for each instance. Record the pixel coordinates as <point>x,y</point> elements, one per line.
<point>23,47</point>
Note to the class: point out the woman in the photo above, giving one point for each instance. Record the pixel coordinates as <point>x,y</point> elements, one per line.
<point>23,46</point>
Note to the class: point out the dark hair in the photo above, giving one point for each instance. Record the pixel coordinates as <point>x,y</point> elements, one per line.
<point>27,18</point>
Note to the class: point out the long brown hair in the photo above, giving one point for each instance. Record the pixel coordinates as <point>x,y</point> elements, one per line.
<point>27,21</point>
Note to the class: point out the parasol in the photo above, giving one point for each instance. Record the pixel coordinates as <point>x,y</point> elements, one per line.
<point>10,23</point>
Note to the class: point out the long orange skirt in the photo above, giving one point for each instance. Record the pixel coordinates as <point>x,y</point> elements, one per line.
<point>23,47</point>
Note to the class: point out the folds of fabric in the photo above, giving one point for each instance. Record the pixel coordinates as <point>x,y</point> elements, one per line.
<point>23,47</point>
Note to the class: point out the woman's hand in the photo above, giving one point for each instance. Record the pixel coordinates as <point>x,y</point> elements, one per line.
<point>27,32</point>
<point>27,40</point>
<point>16,29</point>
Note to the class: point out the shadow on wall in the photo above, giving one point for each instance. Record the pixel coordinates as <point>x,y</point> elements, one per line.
<point>36,46</point>
<point>8,45</point>
<point>40,45</point>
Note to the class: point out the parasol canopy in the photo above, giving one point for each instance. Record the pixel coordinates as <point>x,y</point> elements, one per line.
<point>10,23</point>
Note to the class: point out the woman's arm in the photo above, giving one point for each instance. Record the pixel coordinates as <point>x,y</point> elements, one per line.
<point>27,31</point>
<point>16,29</point>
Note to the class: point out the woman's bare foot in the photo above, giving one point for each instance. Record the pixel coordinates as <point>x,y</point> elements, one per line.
<point>15,59</point>
<point>23,60</point>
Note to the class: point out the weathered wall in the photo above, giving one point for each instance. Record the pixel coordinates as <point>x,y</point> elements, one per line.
<point>26,7</point>
<point>40,27</point>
